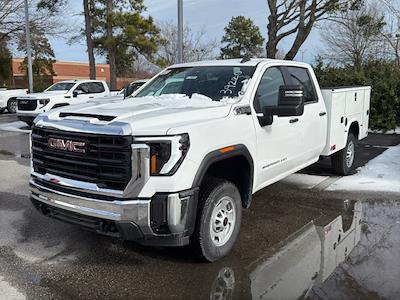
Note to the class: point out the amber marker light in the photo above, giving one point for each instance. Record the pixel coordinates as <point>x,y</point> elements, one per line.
<point>153,164</point>
<point>227,149</point>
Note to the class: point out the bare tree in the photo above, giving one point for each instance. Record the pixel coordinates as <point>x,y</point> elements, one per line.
<point>12,18</point>
<point>355,36</point>
<point>391,32</point>
<point>195,47</point>
<point>87,9</point>
<point>298,17</point>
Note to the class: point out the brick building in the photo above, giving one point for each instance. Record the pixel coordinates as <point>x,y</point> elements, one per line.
<point>66,70</point>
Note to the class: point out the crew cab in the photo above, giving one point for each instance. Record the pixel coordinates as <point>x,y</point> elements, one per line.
<point>8,99</point>
<point>60,94</point>
<point>178,162</point>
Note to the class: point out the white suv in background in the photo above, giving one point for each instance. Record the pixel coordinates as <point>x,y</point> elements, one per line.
<point>62,93</point>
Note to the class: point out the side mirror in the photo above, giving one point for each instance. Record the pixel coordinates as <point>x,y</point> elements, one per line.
<point>290,104</point>
<point>129,89</point>
<point>290,101</point>
<point>75,94</point>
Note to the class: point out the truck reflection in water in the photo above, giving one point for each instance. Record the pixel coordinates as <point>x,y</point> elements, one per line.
<point>302,263</point>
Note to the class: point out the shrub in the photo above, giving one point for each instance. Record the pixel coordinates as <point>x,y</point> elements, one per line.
<point>382,76</point>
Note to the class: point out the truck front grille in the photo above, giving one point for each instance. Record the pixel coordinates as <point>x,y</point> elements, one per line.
<point>27,104</point>
<point>101,159</point>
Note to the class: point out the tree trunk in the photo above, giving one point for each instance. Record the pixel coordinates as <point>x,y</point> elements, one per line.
<point>272,43</point>
<point>110,48</point>
<point>89,39</point>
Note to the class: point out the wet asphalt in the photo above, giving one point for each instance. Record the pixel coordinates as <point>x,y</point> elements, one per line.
<point>43,258</point>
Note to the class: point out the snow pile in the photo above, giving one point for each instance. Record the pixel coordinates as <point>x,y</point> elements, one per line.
<point>182,101</point>
<point>8,292</point>
<point>382,174</point>
<point>392,131</point>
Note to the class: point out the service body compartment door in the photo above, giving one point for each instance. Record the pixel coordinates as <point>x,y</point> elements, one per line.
<point>365,114</point>
<point>336,107</point>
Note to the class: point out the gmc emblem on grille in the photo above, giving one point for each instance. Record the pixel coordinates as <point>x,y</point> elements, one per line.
<point>66,145</point>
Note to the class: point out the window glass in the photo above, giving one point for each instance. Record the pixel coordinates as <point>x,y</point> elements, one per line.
<point>95,87</point>
<point>61,86</point>
<point>215,82</point>
<point>83,88</point>
<point>268,89</point>
<point>300,76</point>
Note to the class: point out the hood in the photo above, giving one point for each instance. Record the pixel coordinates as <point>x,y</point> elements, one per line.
<point>43,95</point>
<point>146,115</point>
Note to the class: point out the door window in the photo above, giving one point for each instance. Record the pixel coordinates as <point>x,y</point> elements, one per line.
<point>300,76</point>
<point>83,88</point>
<point>268,89</point>
<point>96,87</point>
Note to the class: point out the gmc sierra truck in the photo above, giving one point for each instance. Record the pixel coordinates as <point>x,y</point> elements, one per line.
<point>8,99</point>
<point>176,163</point>
<point>60,94</point>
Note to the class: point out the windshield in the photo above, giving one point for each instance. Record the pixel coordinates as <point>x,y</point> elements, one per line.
<point>61,86</point>
<point>215,82</point>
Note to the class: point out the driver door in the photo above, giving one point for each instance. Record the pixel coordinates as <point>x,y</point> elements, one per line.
<point>278,143</point>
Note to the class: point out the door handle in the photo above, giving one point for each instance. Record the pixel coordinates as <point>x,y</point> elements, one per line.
<point>321,114</point>
<point>293,120</point>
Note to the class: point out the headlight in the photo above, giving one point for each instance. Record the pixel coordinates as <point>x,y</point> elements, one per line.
<point>166,153</point>
<point>44,102</point>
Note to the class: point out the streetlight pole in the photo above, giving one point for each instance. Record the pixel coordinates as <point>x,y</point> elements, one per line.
<point>28,47</point>
<point>180,32</point>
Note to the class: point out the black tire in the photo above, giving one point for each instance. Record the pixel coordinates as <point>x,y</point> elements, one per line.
<point>12,105</point>
<point>342,164</point>
<point>2,110</point>
<point>216,191</point>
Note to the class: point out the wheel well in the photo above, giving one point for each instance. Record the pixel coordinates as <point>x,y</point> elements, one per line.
<point>59,105</point>
<point>237,170</point>
<point>355,129</point>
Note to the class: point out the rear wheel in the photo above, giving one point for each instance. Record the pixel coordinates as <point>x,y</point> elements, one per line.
<point>218,221</point>
<point>343,160</point>
<point>12,105</point>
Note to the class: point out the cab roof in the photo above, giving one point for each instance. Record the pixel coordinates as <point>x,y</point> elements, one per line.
<point>237,62</point>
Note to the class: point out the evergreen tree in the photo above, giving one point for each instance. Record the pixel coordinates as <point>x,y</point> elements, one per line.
<point>5,63</point>
<point>242,38</point>
<point>121,33</point>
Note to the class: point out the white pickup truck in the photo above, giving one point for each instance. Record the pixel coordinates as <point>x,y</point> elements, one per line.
<point>177,163</point>
<point>8,99</point>
<point>60,94</point>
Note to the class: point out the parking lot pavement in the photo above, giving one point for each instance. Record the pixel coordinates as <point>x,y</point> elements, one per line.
<point>41,257</point>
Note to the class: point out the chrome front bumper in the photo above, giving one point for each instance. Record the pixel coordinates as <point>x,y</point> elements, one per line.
<point>180,213</point>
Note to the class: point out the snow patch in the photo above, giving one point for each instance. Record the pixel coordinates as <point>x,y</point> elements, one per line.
<point>392,131</point>
<point>182,101</point>
<point>382,174</point>
<point>8,292</point>
<point>17,126</point>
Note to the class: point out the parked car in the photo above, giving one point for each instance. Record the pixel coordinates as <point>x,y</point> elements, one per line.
<point>177,163</point>
<point>8,99</point>
<point>130,89</point>
<point>60,94</point>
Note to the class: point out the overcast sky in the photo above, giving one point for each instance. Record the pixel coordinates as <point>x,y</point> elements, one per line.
<point>212,15</point>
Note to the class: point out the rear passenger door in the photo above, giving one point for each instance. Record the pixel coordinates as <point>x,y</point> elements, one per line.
<point>89,90</point>
<point>313,123</point>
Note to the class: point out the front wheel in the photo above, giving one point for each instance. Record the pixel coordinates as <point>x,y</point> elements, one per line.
<point>12,106</point>
<point>343,160</point>
<point>218,221</point>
